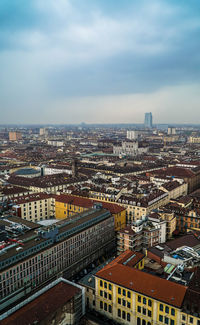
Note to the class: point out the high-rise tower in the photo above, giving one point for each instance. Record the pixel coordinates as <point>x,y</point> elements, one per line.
<point>148,120</point>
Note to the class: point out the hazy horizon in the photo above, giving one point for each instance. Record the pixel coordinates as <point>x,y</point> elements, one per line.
<point>99,62</point>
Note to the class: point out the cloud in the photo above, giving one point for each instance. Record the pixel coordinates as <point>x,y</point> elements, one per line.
<point>53,50</point>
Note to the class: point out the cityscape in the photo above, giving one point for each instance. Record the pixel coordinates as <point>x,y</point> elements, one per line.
<point>103,219</point>
<point>99,162</point>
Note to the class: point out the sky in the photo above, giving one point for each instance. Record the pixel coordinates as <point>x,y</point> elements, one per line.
<point>99,61</point>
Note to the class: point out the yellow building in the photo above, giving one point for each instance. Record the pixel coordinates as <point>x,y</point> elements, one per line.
<point>131,296</point>
<point>170,219</point>
<point>193,139</point>
<point>137,208</point>
<point>67,205</point>
<point>175,189</point>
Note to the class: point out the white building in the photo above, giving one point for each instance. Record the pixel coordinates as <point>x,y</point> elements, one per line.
<point>132,135</point>
<point>128,148</point>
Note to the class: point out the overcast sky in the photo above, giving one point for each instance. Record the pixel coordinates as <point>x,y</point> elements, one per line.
<point>99,61</point>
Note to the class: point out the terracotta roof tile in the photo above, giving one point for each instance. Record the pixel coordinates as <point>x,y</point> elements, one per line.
<point>142,282</point>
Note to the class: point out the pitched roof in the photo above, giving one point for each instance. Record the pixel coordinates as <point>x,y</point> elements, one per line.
<point>143,283</point>
<point>40,308</point>
<point>88,203</point>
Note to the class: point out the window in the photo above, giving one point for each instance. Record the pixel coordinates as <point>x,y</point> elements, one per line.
<point>128,294</point>
<point>143,322</point>
<point>138,321</point>
<point>139,298</point>
<point>109,297</point>
<point>105,285</point>
<point>183,317</point>
<point>160,318</point>
<point>172,322</point>
<point>110,287</point>
<point>110,309</point>
<point>149,313</point>
<point>128,317</point>
<point>144,301</point>
<point>144,311</point>
<point>123,315</point>
<point>149,303</point>
<point>105,306</point>
<point>101,293</point>
<point>101,305</point>
<point>128,304</point>
<point>191,320</point>
<point>119,301</point>
<point>161,307</point>
<point>119,291</point>
<point>101,283</point>
<point>166,320</point>
<point>124,292</point>
<point>167,309</point>
<point>139,309</point>
<point>119,312</point>
<point>172,311</point>
<point>105,295</point>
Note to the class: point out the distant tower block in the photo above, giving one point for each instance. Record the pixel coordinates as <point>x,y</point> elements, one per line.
<point>148,120</point>
<point>171,130</point>
<point>74,168</point>
<point>132,135</point>
<point>15,136</point>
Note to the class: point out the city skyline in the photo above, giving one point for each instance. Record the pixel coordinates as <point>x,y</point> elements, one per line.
<point>100,62</point>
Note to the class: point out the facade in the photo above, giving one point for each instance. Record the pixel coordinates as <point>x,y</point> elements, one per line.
<point>131,296</point>
<point>43,254</point>
<point>43,131</point>
<point>137,209</point>
<point>50,183</point>
<point>132,135</point>
<point>15,136</point>
<point>175,189</point>
<point>171,130</point>
<point>170,219</point>
<point>55,143</point>
<point>188,221</point>
<point>35,207</point>
<point>148,120</point>
<point>194,139</point>
<point>68,205</point>
<point>141,235</point>
<point>48,170</point>
<point>128,148</point>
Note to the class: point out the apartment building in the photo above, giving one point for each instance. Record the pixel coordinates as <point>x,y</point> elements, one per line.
<point>141,234</point>
<point>170,219</point>
<point>67,205</point>
<point>15,136</point>
<point>175,189</point>
<point>35,207</point>
<point>129,295</point>
<point>138,208</point>
<point>38,256</point>
<point>49,183</point>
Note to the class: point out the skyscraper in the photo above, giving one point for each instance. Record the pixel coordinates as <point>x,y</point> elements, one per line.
<point>148,120</point>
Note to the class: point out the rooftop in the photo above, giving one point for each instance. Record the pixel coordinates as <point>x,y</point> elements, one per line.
<point>143,283</point>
